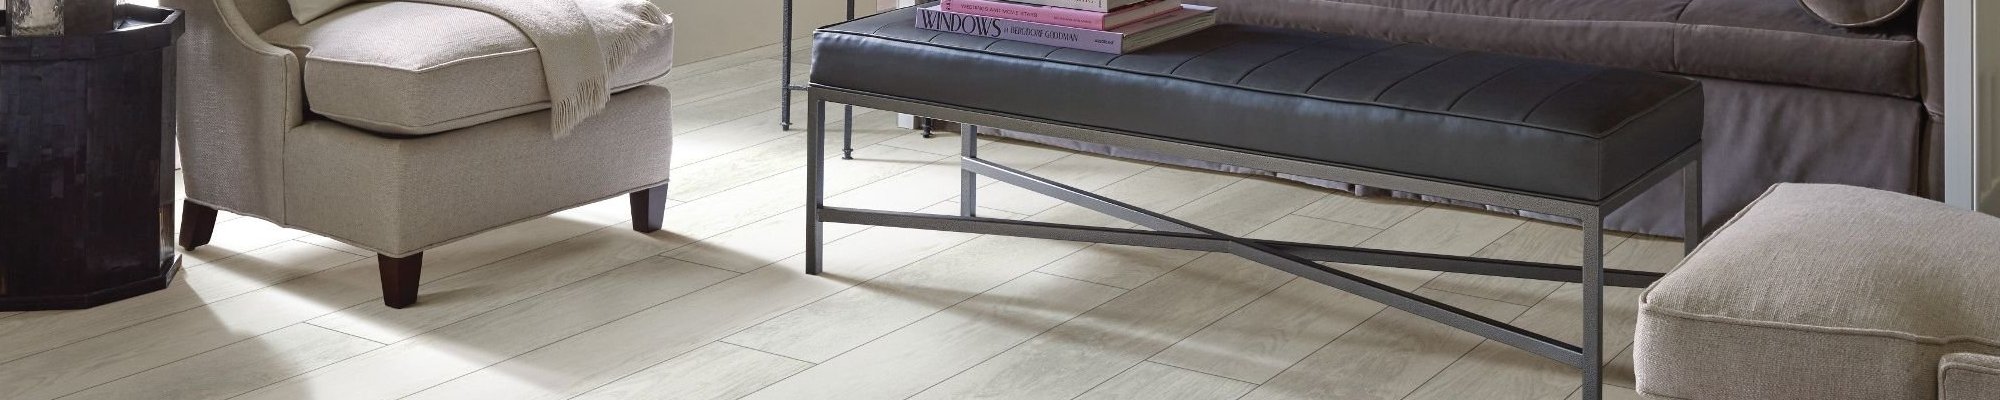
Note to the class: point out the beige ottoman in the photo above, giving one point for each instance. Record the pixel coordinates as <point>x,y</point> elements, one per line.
<point>1829,292</point>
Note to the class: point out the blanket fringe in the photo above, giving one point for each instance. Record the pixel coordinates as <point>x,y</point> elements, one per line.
<point>571,111</point>
<point>596,95</point>
<point>630,41</point>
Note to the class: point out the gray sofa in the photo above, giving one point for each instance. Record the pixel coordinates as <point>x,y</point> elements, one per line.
<point>1791,96</point>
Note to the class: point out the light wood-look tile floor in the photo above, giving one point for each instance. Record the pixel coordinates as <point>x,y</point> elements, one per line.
<point>576,305</point>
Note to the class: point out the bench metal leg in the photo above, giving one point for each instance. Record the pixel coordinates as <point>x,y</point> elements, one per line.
<point>1586,356</point>
<point>815,182</point>
<point>1299,259</point>
<point>1593,308</point>
<point>1196,242</point>
<point>1692,229</point>
<point>1291,263</point>
<point>968,181</point>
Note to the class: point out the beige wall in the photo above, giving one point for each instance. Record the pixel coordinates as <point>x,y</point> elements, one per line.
<point>1972,105</point>
<point>705,29</point>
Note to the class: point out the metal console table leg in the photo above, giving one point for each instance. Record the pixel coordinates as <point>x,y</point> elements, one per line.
<point>786,87</point>
<point>1300,259</point>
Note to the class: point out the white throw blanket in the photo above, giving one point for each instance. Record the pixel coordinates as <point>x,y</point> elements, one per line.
<point>580,41</point>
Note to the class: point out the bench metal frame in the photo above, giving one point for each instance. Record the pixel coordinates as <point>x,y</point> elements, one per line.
<point>1295,258</point>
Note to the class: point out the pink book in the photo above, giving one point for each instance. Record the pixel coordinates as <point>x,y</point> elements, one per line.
<point>1124,39</point>
<point>1059,16</point>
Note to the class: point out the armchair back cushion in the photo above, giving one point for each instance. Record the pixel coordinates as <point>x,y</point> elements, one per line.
<point>257,15</point>
<point>305,11</point>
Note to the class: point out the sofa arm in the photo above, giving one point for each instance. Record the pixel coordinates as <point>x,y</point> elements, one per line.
<point>1968,376</point>
<point>1930,34</point>
<point>237,96</point>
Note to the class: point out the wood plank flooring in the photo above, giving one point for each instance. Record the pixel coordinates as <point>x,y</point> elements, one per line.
<point>715,306</point>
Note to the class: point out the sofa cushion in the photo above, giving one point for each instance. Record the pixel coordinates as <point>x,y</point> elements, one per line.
<point>416,69</point>
<point>1773,41</point>
<point>1857,13</point>
<point>1843,292</point>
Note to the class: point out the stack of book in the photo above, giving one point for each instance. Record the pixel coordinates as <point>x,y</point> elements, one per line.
<point>1109,26</point>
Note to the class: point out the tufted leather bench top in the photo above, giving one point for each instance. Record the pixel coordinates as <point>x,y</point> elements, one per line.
<point>1532,125</point>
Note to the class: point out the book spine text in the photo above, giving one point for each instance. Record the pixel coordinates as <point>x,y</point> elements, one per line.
<point>998,28</point>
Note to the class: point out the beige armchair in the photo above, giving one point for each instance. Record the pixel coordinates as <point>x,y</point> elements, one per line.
<point>399,127</point>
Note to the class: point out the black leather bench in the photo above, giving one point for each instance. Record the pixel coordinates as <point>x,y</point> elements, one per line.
<point>1549,127</point>
<point>1561,138</point>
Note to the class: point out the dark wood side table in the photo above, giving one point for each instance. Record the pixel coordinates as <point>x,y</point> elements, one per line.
<point>86,163</point>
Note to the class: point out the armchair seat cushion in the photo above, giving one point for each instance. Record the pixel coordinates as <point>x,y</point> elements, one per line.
<point>416,69</point>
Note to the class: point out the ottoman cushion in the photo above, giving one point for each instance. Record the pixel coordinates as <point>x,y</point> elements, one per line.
<point>1824,292</point>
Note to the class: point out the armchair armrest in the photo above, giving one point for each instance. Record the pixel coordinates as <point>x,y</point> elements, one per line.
<point>237,96</point>
<point>1968,376</point>
<point>1930,33</point>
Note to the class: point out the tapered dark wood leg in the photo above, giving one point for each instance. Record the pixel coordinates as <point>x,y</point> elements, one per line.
<point>648,209</point>
<point>197,225</point>
<point>399,279</point>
